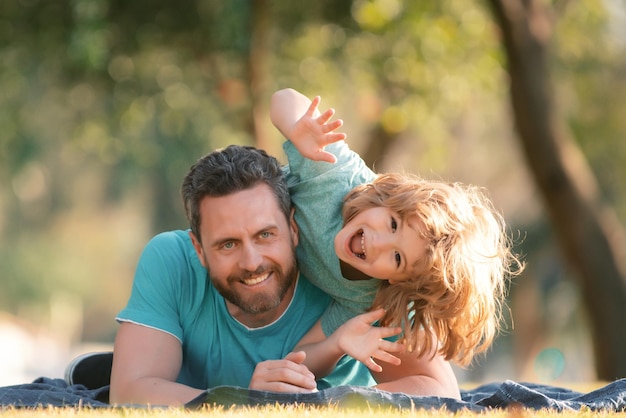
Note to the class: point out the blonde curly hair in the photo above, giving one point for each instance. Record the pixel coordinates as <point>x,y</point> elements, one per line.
<point>457,292</point>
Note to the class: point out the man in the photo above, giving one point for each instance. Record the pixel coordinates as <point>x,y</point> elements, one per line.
<point>222,304</point>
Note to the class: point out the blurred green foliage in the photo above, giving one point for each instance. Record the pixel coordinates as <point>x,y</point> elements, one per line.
<point>104,104</point>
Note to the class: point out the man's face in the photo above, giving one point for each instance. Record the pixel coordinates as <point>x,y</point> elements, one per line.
<point>249,249</point>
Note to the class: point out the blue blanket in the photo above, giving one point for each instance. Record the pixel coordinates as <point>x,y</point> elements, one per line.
<point>612,397</point>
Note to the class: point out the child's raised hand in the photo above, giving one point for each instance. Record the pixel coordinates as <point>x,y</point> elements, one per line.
<point>311,133</point>
<point>364,342</point>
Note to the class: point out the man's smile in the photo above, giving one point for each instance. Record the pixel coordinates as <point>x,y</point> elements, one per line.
<point>251,281</point>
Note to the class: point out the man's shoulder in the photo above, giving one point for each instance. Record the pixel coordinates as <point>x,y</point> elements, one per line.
<point>171,239</point>
<point>170,245</point>
<point>169,258</point>
<point>175,236</point>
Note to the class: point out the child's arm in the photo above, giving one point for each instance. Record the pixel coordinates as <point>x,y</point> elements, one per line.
<point>299,120</point>
<point>357,338</point>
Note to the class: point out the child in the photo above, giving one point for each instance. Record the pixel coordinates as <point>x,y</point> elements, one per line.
<point>428,258</point>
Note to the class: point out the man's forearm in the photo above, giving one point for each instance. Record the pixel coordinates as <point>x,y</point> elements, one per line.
<point>152,391</point>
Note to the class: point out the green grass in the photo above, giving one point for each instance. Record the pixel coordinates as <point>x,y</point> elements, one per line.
<point>276,411</point>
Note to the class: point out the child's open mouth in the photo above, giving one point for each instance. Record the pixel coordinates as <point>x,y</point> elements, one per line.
<point>357,244</point>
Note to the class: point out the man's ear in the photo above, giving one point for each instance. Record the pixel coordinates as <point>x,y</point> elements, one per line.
<point>295,232</point>
<point>198,247</point>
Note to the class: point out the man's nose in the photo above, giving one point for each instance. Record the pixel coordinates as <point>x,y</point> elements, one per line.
<point>251,258</point>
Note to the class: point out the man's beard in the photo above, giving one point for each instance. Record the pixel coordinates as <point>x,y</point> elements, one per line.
<point>259,302</point>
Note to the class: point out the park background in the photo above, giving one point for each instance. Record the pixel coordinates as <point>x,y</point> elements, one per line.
<point>104,105</point>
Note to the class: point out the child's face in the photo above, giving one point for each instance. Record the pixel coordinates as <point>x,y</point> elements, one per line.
<point>378,243</point>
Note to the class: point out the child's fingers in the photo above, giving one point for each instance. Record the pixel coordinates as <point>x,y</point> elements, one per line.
<point>391,347</point>
<point>372,365</point>
<point>334,137</point>
<point>326,156</point>
<point>331,126</point>
<point>387,358</point>
<point>382,356</point>
<point>326,116</point>
<point>313,106</point>
<point>372,316</point>
<point>389,331</point>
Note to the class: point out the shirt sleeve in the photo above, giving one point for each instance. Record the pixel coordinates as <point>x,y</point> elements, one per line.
<point>349,164</point>
<point>156,291</point>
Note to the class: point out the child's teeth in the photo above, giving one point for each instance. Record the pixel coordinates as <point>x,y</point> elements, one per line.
<point>363,244</point>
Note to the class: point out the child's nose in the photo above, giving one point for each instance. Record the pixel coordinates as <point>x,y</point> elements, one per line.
<point>386,242</point>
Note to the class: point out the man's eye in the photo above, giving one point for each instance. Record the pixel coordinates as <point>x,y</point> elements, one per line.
<point>394,224</point>
<point>228,245</point>
<point>266,234</point>
<point>398,259</point>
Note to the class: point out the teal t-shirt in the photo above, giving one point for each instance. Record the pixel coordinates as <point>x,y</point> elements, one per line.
<point>172,292</point>
<point>317,190</point>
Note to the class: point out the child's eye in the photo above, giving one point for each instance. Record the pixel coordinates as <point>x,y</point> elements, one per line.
<point>394,225</point>
<point>398,259</point>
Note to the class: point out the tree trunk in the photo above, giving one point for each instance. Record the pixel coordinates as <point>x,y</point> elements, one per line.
<point>588,231</point>
<point>259,74</point>
<point>380,142</point>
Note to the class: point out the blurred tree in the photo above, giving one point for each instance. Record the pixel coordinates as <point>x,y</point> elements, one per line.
<point>587,228</point>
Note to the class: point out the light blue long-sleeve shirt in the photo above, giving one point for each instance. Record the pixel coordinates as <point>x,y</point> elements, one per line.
<point>317,190</point>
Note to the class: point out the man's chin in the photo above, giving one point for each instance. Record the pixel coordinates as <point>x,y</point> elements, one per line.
<point>258,305</point>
